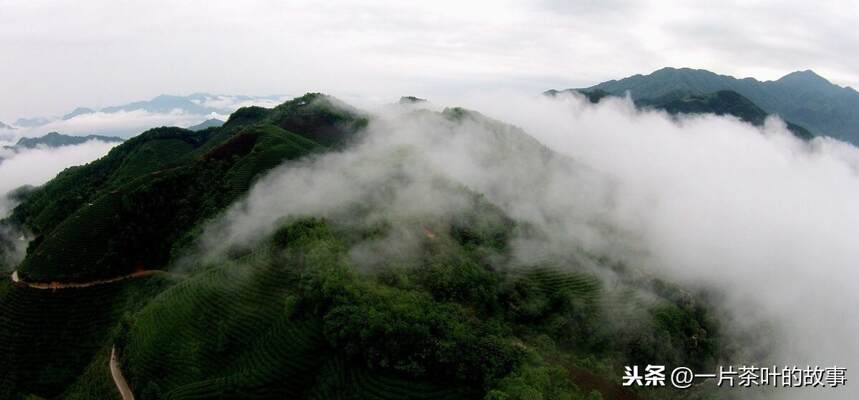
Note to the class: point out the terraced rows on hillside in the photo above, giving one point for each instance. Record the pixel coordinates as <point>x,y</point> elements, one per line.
<point>48,338</point>
<point>245,344</point>
<point>341,380</point>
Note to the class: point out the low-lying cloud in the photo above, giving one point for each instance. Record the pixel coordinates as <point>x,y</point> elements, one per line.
<point>38,165</point>
<point>766,219</point>
<point>120,123</point>
<point>229,102</point>
<point>33,167</point>
<point>130,122</point>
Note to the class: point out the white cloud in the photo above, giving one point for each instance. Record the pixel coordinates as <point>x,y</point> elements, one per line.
<point>37,166</point>
<point>764,217</point>
<point>754,213</point>
<point>122,123</point>
<point>235,102</point>
<point>131,123</point>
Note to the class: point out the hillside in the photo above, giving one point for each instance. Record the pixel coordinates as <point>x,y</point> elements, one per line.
<point>803,97</point>
<point>123,193</point>
<point>446,312</point>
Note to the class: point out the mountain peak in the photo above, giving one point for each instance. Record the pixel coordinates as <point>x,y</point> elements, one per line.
<point>681,70</point>
<point>805,77</point>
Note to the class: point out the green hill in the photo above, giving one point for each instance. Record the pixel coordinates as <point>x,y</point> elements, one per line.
<point>120,214</point>
<point>295,315</point>
<point>801,97</point>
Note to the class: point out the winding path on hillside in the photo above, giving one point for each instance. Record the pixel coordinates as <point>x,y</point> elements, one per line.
<point>118,379</point>
<point>115,371</point>
<point>77,285</point>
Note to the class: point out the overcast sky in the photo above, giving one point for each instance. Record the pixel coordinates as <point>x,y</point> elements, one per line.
<point>57,55</point>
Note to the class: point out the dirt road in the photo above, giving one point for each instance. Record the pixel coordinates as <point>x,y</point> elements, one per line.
<point>76,285</point>
<point>118,379</point>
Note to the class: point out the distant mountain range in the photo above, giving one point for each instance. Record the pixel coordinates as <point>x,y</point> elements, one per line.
<point>723,102</point>
<point>52,140</point>
<point>78,111</point>
<point>803,98</point>
<point>55,139</point>
<point>203,104</point>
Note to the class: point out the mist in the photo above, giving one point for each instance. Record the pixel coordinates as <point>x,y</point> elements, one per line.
<point>120,123</point>
<point>756,213</point>
<point>132,121</point>
<point>38,165</point>
<point>763,218</point>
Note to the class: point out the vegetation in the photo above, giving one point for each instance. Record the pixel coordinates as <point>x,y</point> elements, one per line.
<point>48,338</point>
<point>124,212</point>
<point>295,316</point>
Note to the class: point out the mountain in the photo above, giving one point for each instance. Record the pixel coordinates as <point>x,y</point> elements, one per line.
<point>31,122</point>
<point>55,139</point>
<point>78,111</point>
<point>269,141</point>
<point>802,97</point>
<point>298,313</point>
<point>722,102</point>
<point>161,104</point>
<point>209,123</point>
<point>4,126</point>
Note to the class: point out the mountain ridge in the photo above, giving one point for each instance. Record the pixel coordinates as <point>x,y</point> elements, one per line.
<point>801,97</point>
<point>55,139</point>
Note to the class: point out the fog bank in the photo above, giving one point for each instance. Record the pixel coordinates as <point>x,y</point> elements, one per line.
<point>37,166</point>
<point>705,201</point>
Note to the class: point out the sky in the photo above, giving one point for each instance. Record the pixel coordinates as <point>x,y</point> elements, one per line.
<point>58,55</point>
